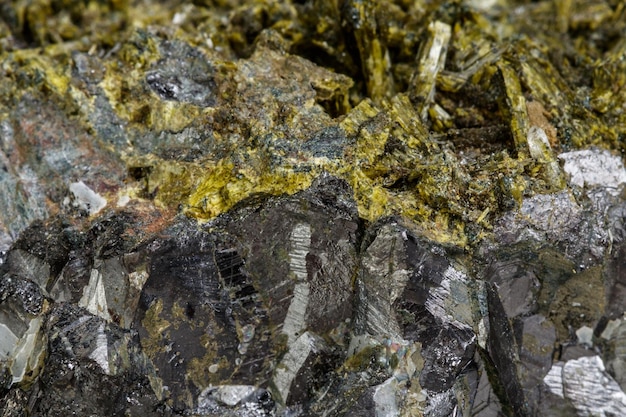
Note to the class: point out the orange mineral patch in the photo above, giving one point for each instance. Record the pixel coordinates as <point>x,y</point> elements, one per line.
<point>537,115</point>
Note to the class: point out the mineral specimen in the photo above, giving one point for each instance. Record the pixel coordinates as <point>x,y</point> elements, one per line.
<point>312,208</point>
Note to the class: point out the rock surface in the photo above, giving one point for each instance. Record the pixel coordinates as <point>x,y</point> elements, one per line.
<point>312,208</point>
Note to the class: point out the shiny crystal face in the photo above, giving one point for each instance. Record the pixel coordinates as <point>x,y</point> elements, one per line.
<point>343,314</point>
<point>312,208</point>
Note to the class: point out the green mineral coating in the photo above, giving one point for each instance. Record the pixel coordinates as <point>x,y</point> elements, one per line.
<point>571,308</point>
<point>365,359</point>
<point>155,325</point>
<point>199,369</point>
<point>178,313</point>
<point>444,145</point>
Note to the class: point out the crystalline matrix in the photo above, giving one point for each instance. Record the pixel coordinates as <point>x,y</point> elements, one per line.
<point>312,208</point>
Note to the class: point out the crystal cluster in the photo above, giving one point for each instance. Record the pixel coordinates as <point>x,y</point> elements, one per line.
<point>312,208</point>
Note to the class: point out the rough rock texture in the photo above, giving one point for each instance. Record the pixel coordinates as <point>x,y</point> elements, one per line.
<point>253,208</point>
<point>214,312</point>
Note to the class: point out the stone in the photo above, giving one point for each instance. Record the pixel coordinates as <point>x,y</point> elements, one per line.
<point>88,363</point>
<point>421,297</point>
<point>235,401</point>
<point>23,344</point>
<point>305,208</point>
<point>570,382</point>
<point>594,167</point>
<point>192,83</point>
<point>226,319</point>
<point>86,198</point>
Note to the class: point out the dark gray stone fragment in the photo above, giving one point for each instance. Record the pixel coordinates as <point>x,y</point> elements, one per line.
<point>503,352</point>
<point>536,345</point>
<point>576,229</point>
<point>50,242</point>
<point>615,353</point>
<point>442,404</point>
<point>447,352</point>
<point>380,288</point>
<point>28,266</point>
<point>413,292</point>
<point>254,300</point>
<point>516,283</point>
<point>304,370</point>
<point>615,278</point>
<point>188,314</point>
<point>432,304</point>
<point>521,350</point>
<point>74,276</point>
<point>21,342</point>
<point>485,402</point>
<point>351,390</point>
<point>329,143</point>
<point>93,368</point>
<point>103,273</point>
<point>311,239</point>
<point>24,294</point>
<point>364,406</point>
<point>184,74</point>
